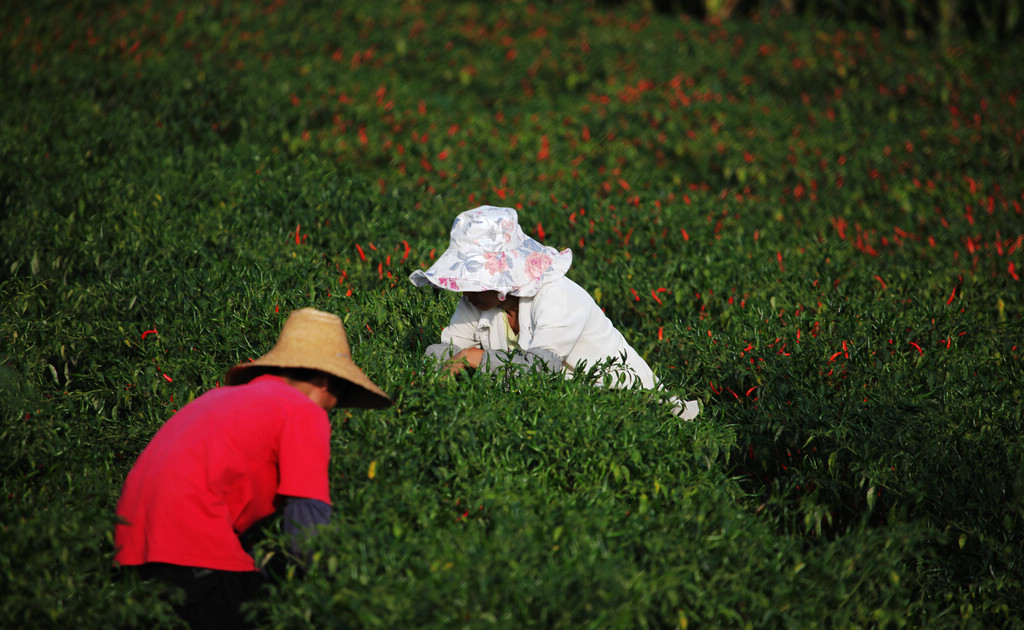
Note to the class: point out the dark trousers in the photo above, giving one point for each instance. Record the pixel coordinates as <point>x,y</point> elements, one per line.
<point>213,599</point>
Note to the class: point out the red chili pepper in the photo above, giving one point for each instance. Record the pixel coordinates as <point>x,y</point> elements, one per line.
<point>153,331</point>
<point>545,149</point>
<point>362,256</point>
<point>919,350</point>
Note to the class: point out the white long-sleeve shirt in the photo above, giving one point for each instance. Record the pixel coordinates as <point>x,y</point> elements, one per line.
<point>560,325</point>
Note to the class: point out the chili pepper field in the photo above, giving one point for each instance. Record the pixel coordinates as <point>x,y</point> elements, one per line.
<point>814,228</point>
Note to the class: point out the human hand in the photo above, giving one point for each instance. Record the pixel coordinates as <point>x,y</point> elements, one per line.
<point>468,358</point>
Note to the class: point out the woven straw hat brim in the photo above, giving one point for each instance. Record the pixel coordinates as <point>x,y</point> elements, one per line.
<point>315,340</point>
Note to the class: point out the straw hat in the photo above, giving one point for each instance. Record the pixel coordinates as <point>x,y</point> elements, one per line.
<point>315,340</point>
<point>489,252</point>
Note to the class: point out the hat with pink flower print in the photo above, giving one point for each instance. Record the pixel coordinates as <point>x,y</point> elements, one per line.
<point>490,252</point>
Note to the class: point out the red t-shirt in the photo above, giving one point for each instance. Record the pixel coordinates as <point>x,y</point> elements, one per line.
<point>215,468</point>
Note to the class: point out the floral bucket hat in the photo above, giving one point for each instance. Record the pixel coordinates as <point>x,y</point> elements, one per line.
<point>490,252</point>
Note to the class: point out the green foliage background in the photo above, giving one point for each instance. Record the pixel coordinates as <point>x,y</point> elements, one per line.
<point>814,228</point>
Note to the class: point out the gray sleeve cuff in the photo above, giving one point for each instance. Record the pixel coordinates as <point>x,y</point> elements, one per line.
<point>441,352</point>
<point>536,358</point>
<point>302,517</point>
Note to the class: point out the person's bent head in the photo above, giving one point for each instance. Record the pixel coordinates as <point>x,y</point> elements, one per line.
<point>325,389</point>
<point>313,354</point>
<point>485,300</point>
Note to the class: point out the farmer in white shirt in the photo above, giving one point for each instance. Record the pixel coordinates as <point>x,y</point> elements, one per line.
<point>518,307</point>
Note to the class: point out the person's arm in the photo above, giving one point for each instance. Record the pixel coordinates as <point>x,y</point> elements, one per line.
<point>461,331</point>
<point>302,518</point>
<point>441,352</point>
<point>557,323</point>
<point>460,349</point>
<point>493,360</point>
<point>457,337</point>
<point>559,317</point>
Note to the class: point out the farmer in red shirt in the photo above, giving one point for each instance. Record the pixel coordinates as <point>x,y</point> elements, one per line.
<point>234,456</point>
